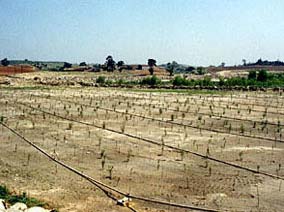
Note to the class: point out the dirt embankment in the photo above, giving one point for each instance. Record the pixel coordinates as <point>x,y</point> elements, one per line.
<point>17,69</point>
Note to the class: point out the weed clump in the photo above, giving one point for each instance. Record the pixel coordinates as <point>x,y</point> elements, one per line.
<point>154,80</point>
<point>101,80</point>
<point>23,198</point>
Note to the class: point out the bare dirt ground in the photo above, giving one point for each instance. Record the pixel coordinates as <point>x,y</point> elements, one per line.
<point>17,69</point>
<point>240,128</point>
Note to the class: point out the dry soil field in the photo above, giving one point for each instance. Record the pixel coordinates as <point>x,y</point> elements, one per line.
<point>221,151</point>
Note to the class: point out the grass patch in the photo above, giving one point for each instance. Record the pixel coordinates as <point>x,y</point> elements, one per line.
<point>4,192</point>
<point>13,198</point>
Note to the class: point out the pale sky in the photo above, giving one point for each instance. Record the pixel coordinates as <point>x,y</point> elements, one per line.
<point>195,32</point>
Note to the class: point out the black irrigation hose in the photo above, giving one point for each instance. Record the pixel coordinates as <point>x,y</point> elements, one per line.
<point>254,110</point>
<point>101,185</point>
<point>185,125</point>
<point>213,115</point>
<point>230,95</point>
<point>159,144</point>
<point>234,108</point>
<point>95,182</point>
<point>233,101</point>
<point>218,96</point>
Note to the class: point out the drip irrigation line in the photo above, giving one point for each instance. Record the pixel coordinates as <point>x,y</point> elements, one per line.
<point>103,187</point>
<point>254,171</point>
<point>186,125</point>
<point>223,102</point>
<point>213,115</point>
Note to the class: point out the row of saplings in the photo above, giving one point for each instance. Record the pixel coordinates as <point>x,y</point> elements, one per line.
<point>20,203</point>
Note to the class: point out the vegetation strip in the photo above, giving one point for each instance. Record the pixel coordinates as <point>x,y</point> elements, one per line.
<point>158,143</point>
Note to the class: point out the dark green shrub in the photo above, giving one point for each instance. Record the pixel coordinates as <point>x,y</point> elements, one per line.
<point>4,192</point>
<point>108,82</point>
<point>200,71</point>
<point>262,76</point>
<point>154,80</point>
<point>12,199</point>
<point>121,82</point>
<point>30,202</point>
<point>101,80</point>
<point>207,81</point>
<point>179,81</point>
<point>252,75</point>
<point>221,81</point>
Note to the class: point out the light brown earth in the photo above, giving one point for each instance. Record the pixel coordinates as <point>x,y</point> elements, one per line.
<point>141,168</point>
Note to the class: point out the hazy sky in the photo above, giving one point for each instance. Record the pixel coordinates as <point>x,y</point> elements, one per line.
<point>196,32</point>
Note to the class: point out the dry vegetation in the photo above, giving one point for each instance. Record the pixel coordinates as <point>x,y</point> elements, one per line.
<point>144,143</point>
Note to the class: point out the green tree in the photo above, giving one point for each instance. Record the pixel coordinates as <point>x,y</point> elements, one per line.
<point>110,63</point>
<point>65,65</point>
<point>151,64</point>
<point>262,76</point>
<point>139,67</point>
<point>171,67</point>
<point>200,70</point>
<point>120,65</point>
<point>252,75</point>
<point>5,62</point>
<point>83,64</point>
<point>189,69</point>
